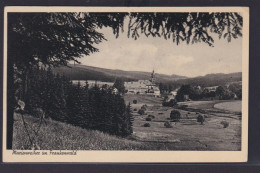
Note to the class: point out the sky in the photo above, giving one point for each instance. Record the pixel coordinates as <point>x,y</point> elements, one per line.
<point>164,56</point>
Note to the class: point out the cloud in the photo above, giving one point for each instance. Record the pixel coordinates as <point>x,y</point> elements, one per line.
<point>179,60</point>
<point>146,54</point>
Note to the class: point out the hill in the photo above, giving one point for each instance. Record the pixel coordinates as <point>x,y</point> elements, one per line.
<point>54,135</point>
<point>212,79</point>
<point>83,72</point>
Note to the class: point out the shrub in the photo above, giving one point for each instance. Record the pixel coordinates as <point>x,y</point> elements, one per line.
<point>144,107</point>
<point>148,119</point>
<point>141,111</point>
<point>134,101</point>
<point>171,103</point>
<point>135,109</point>
<point>225,124</point>
<point>167,124</point>
<point>200,119</point>
<point>147,125</point>
<point>151,116</point>
<point>175,115</point>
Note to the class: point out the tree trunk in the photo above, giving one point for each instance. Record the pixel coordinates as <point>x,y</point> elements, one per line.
<point>10,102</point>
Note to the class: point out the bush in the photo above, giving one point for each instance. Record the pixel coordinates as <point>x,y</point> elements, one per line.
<point>141,111</point>
<point>175,115</point>
<point>225,124</point>
<point>144,107</point>
<point>135,109</point>
<point>167,124</point>
<point>147,125</point>
<point>134,101</point>
<point>200,119</point>
<point>171,103</point>
<point>151,116</point>
<point>148,119</point>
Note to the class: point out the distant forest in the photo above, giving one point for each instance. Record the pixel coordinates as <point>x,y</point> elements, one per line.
<point>83,72</point>
<point>203,81</point>
<point>86,74</point>
<point>169,82</point>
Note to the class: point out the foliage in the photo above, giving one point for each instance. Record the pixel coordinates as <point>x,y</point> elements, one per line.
<point>167,87</point>
<point>210,80</point>
<point>220,91</point>
<point>200,119</point>
<point>186,27</point>
<point>236,89</point>
<point>135,101</point>
<point>167,124</point>
<point>119,85</point>
<point>144,107</point>
<point>147,125</point>
<point>141,111</point>
<point>184,90</point>
<point>78,72</point>
<point>95,108</point>
<point>225,124</point>
<point>175,115</point>
<point>170,103</point>
<point>148,119</point>
<point>151,116</point>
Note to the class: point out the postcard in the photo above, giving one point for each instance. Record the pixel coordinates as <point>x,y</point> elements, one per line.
<point>125,84</point>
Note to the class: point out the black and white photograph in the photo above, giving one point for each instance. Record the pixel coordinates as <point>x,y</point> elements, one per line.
<point>138,84</point>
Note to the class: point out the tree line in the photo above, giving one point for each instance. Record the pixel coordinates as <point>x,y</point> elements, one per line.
<point>90,108</point>
<point>233,91</point>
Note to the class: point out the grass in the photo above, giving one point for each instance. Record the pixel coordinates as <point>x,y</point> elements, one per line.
<point>234,106</point>
<point>60,136</point>
<point>187,134</point>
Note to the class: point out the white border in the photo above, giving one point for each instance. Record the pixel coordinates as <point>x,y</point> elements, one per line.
<point>140,156</point>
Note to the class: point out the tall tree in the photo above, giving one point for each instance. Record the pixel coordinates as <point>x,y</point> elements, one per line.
<point>119,85</point>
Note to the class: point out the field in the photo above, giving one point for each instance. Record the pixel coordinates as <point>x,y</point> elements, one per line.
<point>188,134</point>
<point>53,135</point>
<point>230,106</point>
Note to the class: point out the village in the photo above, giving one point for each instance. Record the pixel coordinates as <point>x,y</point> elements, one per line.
<point>150,87</point>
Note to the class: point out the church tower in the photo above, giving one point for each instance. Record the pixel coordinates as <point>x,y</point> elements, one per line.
<point>153,77</point>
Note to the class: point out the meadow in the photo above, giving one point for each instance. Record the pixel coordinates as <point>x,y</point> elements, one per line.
<point>187,134</point>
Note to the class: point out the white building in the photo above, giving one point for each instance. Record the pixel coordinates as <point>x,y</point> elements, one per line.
<point>92,83</point>
<point>143,87</point>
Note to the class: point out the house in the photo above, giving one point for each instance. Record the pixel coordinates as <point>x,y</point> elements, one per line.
<point>92,83</point>
<point>115,91</point>
<point>143,87</point>
<point>213,88</point>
